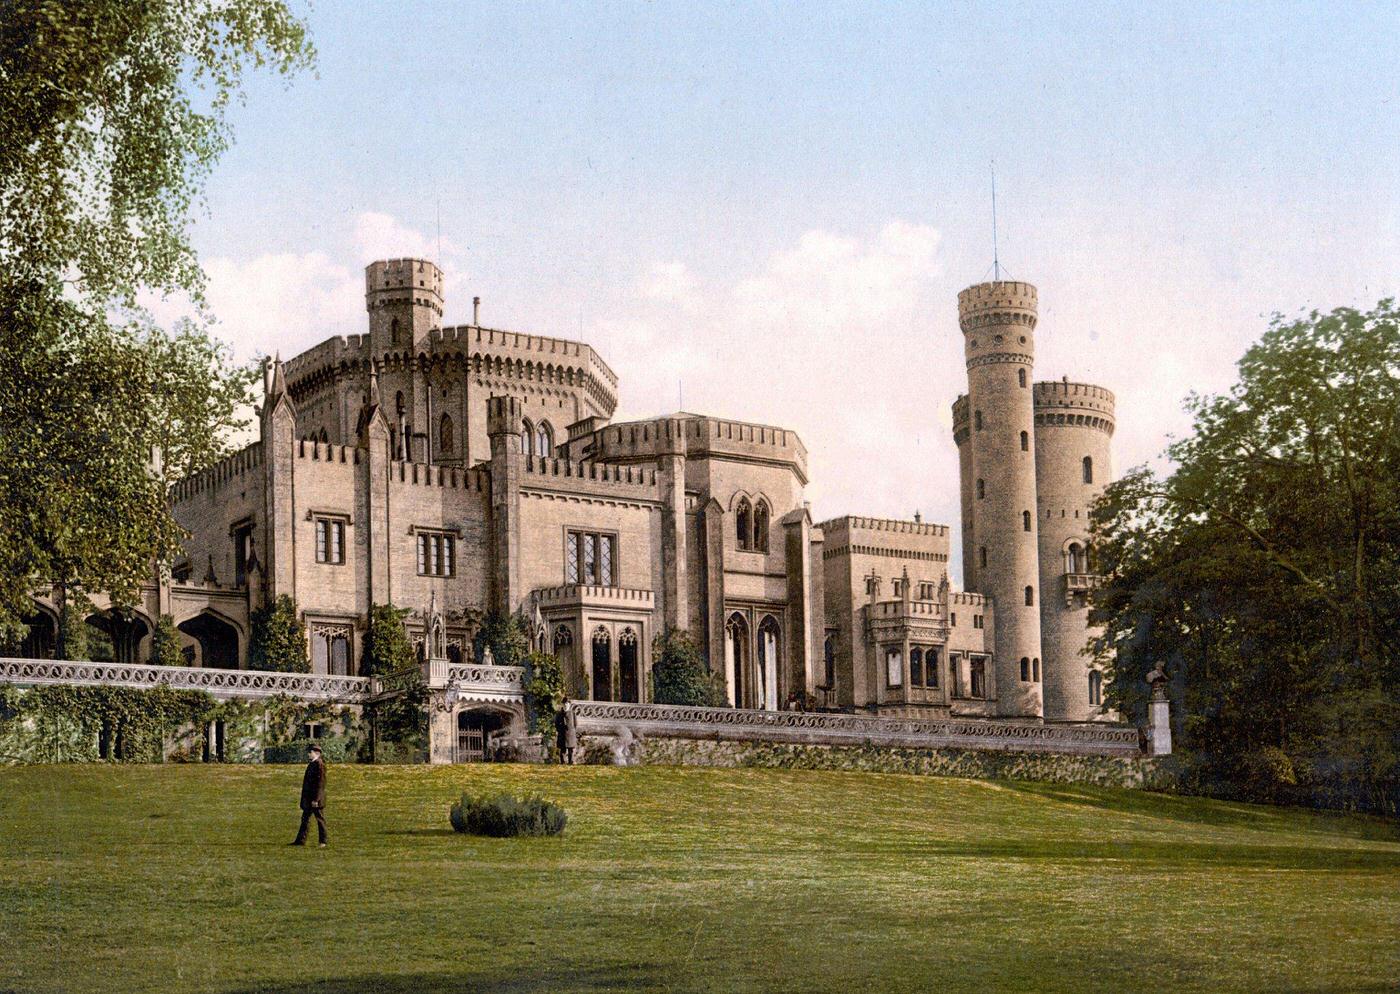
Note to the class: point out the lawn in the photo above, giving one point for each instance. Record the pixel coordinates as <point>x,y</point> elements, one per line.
<point>178,878</point>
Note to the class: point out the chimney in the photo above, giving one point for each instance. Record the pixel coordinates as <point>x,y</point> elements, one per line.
<point>476,312</point>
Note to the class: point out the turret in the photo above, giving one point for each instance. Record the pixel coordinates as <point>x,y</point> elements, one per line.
<point>995,428</point>
<point>1073,429</point>
<point>404,300</point>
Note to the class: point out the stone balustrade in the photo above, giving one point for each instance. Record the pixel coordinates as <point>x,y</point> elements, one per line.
<point>664,721</point>
<point>222,684</point>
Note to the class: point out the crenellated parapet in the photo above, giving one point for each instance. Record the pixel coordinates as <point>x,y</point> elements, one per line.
<point>1001,303</point>
<point>415,281</point>
<point>241,463</point>
<point>699,437</point>
<point>1064,403</point>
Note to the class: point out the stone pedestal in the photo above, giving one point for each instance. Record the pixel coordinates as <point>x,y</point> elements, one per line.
<point>1160,715</point>
<point>442,728</point>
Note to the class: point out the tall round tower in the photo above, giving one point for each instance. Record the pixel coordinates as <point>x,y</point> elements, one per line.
<point>1073,428</point>
<point>998,325</point>
<point>404,300</point>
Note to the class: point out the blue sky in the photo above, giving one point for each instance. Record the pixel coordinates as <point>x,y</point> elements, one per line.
<point>778,203</point>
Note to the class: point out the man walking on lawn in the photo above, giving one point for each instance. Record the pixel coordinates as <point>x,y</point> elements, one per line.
<point>313,797</point>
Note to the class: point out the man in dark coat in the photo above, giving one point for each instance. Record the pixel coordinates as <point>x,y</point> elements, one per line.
<point>313,798</point>
<point>566,731</point>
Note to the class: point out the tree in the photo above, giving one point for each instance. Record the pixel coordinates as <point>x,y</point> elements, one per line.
<point>111,115</point>
<point>679,674</point>
<point>389,655</point>
<point>279,638</point>
<point>544,692</point>
<point>1264,570</point>
<point>165,643</point>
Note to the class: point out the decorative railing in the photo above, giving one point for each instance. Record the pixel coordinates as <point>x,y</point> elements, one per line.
<point>479,676</point>
<point>224,684</point>
<point>1082,581</point>
<point>817,728</point>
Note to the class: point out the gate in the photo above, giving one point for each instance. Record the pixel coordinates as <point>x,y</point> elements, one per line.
<point>471,745</point>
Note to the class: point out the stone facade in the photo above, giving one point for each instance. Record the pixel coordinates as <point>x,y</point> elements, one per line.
<point>457,471</point>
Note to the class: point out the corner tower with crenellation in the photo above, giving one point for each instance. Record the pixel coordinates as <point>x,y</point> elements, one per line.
<point>997,461</point>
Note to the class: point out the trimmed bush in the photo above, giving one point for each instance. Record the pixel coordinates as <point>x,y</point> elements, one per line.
<point>334,749</point>
<point>502,816</point>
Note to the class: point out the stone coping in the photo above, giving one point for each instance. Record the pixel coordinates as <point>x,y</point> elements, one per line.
<point>223,684</point>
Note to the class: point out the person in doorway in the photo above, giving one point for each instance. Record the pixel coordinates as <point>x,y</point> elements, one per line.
<point>566,732</point>
<point>313,798</point>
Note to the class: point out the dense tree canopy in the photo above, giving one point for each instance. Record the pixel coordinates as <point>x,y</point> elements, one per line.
<point>1265,570</point>
<point>112,112</point>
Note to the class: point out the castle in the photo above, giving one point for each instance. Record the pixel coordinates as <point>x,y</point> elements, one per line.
<point>460,470</point>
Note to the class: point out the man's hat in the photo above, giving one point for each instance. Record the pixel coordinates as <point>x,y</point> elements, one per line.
<point>315,747</point>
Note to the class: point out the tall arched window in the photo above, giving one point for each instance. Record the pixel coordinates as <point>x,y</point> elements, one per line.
<point>446,441</point>
<point>394,332</point>
<point>977,420</point>
<point>761,518</point>
<point>1025,441</point>
<point>544,440</point>
<point>1035,669</point>
<point>527,438</point>
<point>628,677</point>
<point>1075,560</point>
<point>743,523</point>
<point>916,667</point>
<point>981,489</point>
<point>829,658</point>
<point>766,690</point>
<point>736,647</point>
<point>602,664</point>
<point>1095,687</point>
<point>1021,377</point>
<point>1030,597</point>
<point>1025,521</point>
<point>1025,669</point>
<point>1088,470</point>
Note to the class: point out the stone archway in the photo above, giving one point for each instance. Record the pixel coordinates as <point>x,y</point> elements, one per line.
<point>118,637</point>
<point>216,638</point>
<point>473,728</point>
<point>40,638</point>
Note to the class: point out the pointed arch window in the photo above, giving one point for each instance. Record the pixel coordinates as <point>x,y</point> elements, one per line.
<point>1021,377</point>
<point>446,440</point>
<point>743,523</point>
<point>761,518</point>
<point>394,332</point>
<point>916,667</point>
<point>1075,560</point>
<point>544,440</point>
<point>527,438</point>
<point>829,661</point>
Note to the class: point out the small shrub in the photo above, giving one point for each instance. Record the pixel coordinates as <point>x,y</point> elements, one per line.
<point>334,749</point>
<point>501,816</point>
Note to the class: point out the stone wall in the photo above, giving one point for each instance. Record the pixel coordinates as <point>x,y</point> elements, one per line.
<point>1104,771</point>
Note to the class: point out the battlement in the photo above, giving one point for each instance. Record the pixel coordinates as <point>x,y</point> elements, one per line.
<point>318,451</point>
<point>398,276</point>
<point>626,481</point>
<point>243,461</point>
<point>963,597</point>
<point>423,474</point>
<point>1064,393</point>
<point>503,415</point>
<point>1000,303</point>
<point>699,437</point>
<point>854,523</point>
<point>531,347</point>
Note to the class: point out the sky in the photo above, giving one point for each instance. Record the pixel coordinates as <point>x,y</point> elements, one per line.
<point>765,211</point>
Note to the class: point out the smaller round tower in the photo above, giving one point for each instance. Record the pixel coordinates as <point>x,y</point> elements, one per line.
<point>1073,463</point>
<point>404,300</point>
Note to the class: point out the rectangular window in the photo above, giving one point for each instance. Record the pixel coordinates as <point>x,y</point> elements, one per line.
<point>931,668</point>
<point>330,541</point>
<point>590,558</point>
<point>437,554</point>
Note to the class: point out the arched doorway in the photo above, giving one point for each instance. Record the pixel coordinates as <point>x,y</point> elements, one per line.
<point>40,637</point>
<point>217,639</point>
<point>736,653</point>
<point>627,667</point>
<point>474,729</point>
<point>602,665</point>
<point>116,636</point>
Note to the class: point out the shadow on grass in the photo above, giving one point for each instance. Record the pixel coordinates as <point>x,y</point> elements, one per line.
<point>1215,812</point>
<point>1175,855</point>
<point>421,831</point>
<point>525,980</point>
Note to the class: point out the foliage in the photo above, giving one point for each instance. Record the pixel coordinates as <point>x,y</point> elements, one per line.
<point>506,635</point>
<point>279,638</point>
<point>399,721</point>
<point>544,692</point>
<point>56,724</point>
<point>679,674</point>
<point>165,643</point>
<point>111,116</point>
<point>334,749</point>
<point>1264,571</point>
<point>503,816</point>
<point>73,629</point>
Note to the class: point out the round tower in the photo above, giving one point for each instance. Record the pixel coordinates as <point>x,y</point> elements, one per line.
<point>404,300</point>
<point>998,325</point>
<point>1073,429</point>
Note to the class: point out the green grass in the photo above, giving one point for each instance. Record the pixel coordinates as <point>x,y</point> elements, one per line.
<point>178,878</point>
